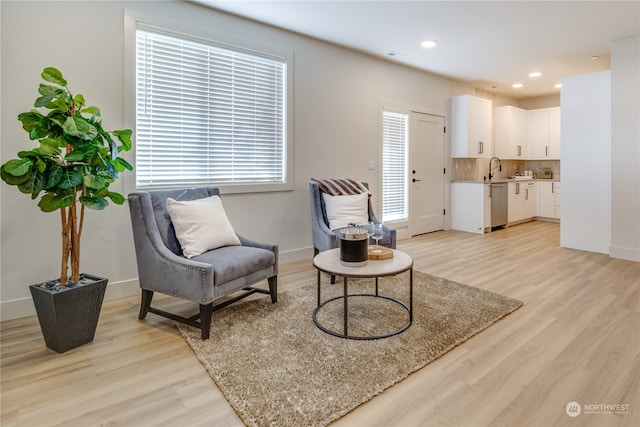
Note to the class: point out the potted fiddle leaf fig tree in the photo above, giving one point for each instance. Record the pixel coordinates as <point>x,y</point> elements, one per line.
<point>71,169</point>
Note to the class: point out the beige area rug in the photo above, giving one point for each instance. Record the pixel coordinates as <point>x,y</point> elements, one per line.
<point>276,368</point>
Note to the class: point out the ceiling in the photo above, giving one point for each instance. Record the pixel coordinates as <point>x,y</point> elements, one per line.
<point>489,44</point>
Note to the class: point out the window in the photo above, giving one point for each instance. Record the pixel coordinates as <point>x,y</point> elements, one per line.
<point>208,113</point>
<point>394,166</point>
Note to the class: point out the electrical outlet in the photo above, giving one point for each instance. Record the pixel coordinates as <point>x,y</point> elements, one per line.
<point>372,165</point>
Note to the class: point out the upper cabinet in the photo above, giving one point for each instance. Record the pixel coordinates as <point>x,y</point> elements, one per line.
<point>544,134</point>
<point>471,127</point>
<point>511,133</point>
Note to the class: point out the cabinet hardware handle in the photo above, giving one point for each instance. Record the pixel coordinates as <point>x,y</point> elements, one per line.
<point>519,150</point>
<point>526,194</point>
<point>517,188</point>
<point>416,180</point>
<point>546,151</point>
<point>553,187</point>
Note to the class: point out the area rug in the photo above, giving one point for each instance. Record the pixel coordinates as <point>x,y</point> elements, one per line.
<point>276,368</point>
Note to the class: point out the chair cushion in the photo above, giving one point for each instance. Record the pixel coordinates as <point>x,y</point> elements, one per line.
<point>342,210</point>
<point>232,262</point>
<point>201,225</point>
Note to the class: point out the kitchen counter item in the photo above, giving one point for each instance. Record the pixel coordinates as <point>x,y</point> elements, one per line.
<point>544,173</point>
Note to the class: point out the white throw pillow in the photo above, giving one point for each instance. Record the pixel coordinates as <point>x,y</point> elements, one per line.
<point>342,210</point>
<point>201,225</point>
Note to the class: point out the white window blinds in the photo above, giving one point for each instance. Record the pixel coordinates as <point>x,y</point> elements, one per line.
<point>207,114</point>
<point>394,165</point>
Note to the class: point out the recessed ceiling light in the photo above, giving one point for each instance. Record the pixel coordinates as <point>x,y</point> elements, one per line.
<point>558,86</point>
<point>595,57</point>
<point>428,43</point>
<point>535,74</point>
<point>517,85</point>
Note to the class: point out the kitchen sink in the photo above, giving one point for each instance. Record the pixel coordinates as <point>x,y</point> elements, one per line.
<point>521,178</point>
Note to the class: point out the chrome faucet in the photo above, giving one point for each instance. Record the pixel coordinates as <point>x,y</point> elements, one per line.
<point>491,169</point>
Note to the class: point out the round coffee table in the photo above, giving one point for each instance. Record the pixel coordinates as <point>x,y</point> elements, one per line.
<point>329,262</point>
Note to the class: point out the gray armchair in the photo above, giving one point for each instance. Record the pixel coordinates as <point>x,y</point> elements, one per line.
<point>204,278</point>
<point>323,237</point>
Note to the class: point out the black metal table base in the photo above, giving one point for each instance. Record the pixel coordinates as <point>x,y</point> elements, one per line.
<point>345,297</point>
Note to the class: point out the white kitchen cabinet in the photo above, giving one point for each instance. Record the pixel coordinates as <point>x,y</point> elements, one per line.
<point>544,133</point>
<point>515,202</point>
<point>511,133</point>
<point>470,207</point>
<point>522,201</point>
<point>471,127</point>
<point>530,199</point>
<point>549,199</point>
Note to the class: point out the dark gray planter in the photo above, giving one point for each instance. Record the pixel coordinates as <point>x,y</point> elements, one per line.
<point>68,318</point>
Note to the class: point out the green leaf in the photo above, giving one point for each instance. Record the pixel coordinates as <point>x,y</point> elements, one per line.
<point>41,165</point>
<point>53,176</point>
<point>34,185</point>
<point>116,198</point>
<point>77,126</point>
<point>97,203</point>
<point>94,181</point>
<point>79,100</point>
<point>121,164</point>
<point>49,93</point>
<point>50,202</point>
<point>30,119</point>
<point>38,185</point>
<point>74,156</point>
<point>70,178</point>
<point>94,111</point>
<point>18,167</point>
<point>47,203</point>
<point>125,137</point>
<point>12,180</point>
<point>53,75</point>
<point>41,129</point>
<point>49,147</point>
<point>112,145</point>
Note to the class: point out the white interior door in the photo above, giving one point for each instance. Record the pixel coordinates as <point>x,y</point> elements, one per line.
<point>426,173</point>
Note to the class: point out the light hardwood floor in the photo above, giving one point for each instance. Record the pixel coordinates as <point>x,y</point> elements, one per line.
<point>575,339</point>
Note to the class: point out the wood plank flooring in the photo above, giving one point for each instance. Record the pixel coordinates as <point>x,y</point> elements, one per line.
<point>577,338</point>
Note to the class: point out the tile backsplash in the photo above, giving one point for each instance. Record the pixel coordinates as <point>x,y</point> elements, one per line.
<point>478,169</point>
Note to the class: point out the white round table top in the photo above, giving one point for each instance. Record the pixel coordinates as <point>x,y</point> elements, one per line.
<point>329,262</point>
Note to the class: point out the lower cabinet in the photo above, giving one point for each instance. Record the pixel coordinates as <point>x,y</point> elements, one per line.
<point>470,207</point>
<point>522,201</point>
<point>549,199</point>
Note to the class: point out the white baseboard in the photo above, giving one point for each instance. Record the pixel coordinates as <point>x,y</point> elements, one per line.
<point>629,254</point>
<point>294,255</point>
<point>23,307</point>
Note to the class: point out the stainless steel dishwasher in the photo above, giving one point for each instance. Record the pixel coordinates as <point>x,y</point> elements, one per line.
<point>498,192</point>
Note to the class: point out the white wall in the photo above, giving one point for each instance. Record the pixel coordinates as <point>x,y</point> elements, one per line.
<point>625,150</point>
<point>585,216</point>
<point>337,95</point>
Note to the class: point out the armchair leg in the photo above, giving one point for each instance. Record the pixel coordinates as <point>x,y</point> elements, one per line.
<point>206,310</point>
<point>145,303</point>
<point>273,288</point>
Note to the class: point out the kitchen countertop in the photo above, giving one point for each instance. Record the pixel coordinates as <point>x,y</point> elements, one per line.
<point>505,180</point>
